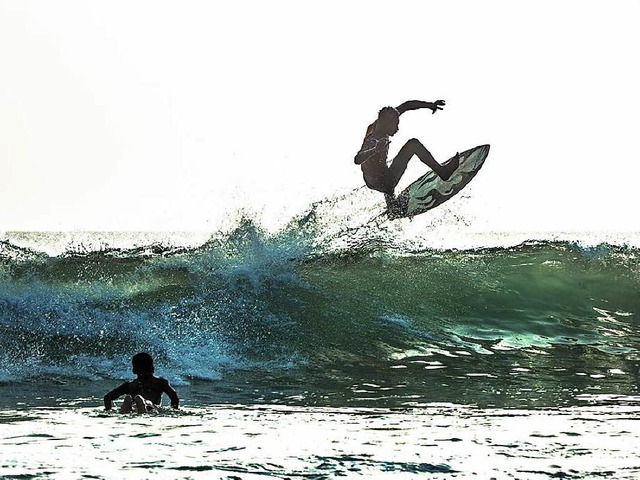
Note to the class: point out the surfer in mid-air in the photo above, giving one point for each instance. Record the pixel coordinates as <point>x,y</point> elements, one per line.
<point>372,157</point>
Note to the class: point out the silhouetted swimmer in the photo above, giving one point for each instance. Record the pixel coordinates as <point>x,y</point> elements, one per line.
<point>145,392</point>
<point>372,157</point>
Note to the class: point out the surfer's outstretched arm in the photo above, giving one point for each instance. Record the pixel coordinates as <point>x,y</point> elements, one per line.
<point>416,104</point>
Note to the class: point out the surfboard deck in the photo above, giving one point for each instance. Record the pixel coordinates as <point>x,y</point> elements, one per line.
<point>430,190</point>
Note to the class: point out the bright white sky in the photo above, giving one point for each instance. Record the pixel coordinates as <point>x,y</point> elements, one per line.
<point>158,115</point>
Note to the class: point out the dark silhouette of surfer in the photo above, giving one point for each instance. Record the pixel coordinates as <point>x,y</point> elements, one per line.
<point>372,157</point>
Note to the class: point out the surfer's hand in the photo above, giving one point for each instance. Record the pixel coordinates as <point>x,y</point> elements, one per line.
<point>437,105</point>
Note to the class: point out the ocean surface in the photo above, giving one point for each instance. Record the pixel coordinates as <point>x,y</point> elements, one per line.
<point>331,312</point>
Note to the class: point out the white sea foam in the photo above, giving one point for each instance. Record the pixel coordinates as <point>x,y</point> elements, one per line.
<point>266,441</point>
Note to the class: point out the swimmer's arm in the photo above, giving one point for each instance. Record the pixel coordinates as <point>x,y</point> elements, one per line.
<point>113,394</point>
<point>416,104</point>
<point>171,393</point>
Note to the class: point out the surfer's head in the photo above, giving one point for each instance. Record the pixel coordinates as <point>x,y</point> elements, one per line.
<point>142,364</point>
<point>388,120</point>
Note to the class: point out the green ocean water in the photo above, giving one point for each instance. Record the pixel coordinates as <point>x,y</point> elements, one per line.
<point>251,316</point>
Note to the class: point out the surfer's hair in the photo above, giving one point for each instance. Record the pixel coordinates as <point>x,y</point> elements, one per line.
<point>388,112</point>
<point>142,364</point>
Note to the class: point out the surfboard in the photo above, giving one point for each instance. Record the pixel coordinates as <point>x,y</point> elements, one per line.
<point>430,190</point>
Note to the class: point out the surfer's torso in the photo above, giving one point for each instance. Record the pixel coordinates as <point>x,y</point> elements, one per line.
<point>372,158</point>
<point>374,146</point>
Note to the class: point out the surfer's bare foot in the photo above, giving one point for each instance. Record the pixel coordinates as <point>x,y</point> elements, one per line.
<point>141,405</point>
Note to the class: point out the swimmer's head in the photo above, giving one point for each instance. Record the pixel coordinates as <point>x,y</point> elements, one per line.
<point>142,364</point>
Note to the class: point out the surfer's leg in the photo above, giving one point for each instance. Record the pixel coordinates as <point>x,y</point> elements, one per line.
<point>127,405</point>
<point>414,147</point>
<point>394,206</point>
<point>391,201</point>
<point>397,169</point>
